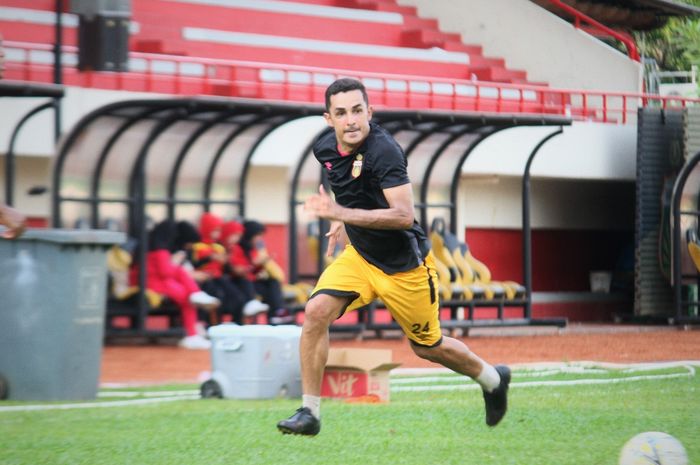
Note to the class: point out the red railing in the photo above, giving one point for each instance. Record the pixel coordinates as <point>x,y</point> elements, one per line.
<point>580,17</point>
<point>180,75</point>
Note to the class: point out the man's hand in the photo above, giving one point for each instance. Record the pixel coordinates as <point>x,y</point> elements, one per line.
<point>334,236</point>
<point>399,214</point>
<point>323,206</point>
<point>14,220</point>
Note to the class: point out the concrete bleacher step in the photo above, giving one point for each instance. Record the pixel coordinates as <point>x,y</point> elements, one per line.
<point>318,2</point>
<point>154,46</point>
<point>36,33</point>
<point>416,22</point>
<point>497,74</point>
<point>320,24</point>
<point>425,37</point>
<point>394,41</point>
<point>480,61</point>
<point>474,51</point>
<point>377,5</point>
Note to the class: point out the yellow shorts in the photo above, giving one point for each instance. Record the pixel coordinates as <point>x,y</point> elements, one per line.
<point>410,296</point>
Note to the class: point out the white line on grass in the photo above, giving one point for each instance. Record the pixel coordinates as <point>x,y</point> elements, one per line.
<point>154,397</point>
<point>116,403</point>
<point>472,385</point>
<point>189,392</point>
<point>528,373</point>
<point>463,383</point>
<point>541,366</point>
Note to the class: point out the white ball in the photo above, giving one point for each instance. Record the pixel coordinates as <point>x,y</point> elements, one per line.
<point>653,448</point>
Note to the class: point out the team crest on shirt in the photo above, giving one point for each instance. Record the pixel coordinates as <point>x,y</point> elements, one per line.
<point>357,166</point>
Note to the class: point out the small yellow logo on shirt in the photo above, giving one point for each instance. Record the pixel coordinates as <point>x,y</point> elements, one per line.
<point>357,166</point>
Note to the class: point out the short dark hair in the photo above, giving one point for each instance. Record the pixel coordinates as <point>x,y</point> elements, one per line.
<point>345,85</point>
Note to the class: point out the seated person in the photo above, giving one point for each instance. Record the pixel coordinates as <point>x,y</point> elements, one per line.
<point>231,233</point>
<point>208,259</point>
<point>247,259</point>
<point>173,281</point>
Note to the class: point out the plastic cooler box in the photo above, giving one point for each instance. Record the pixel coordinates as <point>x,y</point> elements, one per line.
<point>254,362</point>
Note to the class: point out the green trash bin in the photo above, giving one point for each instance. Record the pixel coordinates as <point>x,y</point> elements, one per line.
<point>53,285</point>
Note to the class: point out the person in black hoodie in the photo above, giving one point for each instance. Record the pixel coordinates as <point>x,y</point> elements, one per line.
<point>248,261</point>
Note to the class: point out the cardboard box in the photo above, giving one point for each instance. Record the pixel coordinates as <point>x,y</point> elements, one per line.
<point>357,372</point>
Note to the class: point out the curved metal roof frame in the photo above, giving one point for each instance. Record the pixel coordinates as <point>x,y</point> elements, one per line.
<point>210,112</point>
<point>527,228</point>
<point>23,89</point>
<point>166,113</point>
<point>679,186</point>
<point>481,132</point>
<point>242,115</point>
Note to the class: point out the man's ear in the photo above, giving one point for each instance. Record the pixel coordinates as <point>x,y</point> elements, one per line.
<point>327,116</point>
<point>370,110</point>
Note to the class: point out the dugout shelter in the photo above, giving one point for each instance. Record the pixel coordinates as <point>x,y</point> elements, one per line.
<point>131,163</point>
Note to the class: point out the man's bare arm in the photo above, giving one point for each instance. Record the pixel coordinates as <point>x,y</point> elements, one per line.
<point>399,215</point>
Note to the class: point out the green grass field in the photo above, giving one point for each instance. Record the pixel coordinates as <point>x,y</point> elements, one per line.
<point>435,419</point>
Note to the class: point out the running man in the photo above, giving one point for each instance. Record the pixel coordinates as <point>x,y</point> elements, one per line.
<point>388,256</point>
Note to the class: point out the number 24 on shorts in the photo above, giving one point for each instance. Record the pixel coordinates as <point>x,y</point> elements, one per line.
<point>417,328</point>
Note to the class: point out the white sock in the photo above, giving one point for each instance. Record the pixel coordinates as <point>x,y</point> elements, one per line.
<point>489,379</point>
<point>313,403</point>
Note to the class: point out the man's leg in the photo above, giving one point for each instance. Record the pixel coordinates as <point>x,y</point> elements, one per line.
<point>319,313</point>
<point>455,355</point>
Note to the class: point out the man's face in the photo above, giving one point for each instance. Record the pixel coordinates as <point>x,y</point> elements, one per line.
<point>349,115</point>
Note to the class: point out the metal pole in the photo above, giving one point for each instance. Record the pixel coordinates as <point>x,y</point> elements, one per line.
<point>481,135</point>
<point>293,220</point>
<point>527,232</point>
<point>10,173</point>
<point>10,157</point>
<point>58,67</point>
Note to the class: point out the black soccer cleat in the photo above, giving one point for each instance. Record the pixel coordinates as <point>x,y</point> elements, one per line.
<point>496,401</point>
<point>302,422</point>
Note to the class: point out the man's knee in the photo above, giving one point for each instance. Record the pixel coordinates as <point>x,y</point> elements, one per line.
<point>323,309</point>
<point>427,353</point>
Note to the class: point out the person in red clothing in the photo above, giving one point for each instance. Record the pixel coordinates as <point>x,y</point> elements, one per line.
<point>248,261</point>
<point>173,281</point>
<point>209,260</point>
<point>231,233</point>
<point>210,227</point>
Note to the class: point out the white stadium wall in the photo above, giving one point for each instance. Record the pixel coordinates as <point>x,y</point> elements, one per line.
<point>35,147</point>
<point>496,203</point>
<point>594,151</point>
<point>271,166</point>
<point>530,38</point>
<point>578,178</point>
<point>267,198</point>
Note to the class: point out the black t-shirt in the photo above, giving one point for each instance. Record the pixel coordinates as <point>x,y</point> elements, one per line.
<point>357,180</point>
